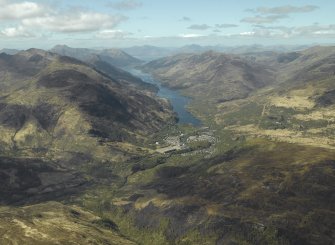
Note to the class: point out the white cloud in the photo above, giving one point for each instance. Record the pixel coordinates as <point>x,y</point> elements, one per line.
<point>199,27</point>
<point>225,26</point>
<point>20,10</point>
<point>316,30</point>
<point>190,35</point>
<point>74,22</point>
<point>27,19</point>
<point>112,34</point>
<point>185,18</point>
<point>271,15</point>
<point>288,9</point>
<point>247,33</point>
<point>263,19</point>
<point>19,31</point>
<point>125,5</point>
<point>325,32</point>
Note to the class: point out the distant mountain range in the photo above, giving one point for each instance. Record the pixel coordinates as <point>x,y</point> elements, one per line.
<point>109,61</point>
<point>132,56</point>
<point>114,57</point>
<point>149,53</point>
<point>9,51</point>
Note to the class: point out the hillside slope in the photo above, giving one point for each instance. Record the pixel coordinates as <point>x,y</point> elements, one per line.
<point>269,176</point>
<point>107,61</point>
<point>50,102</point>
<point>220,77</point>
<point>300,108</point>
<point>53,223</point>
<point>60,120</point>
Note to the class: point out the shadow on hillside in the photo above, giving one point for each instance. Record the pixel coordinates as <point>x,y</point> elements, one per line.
<point>31,180</point>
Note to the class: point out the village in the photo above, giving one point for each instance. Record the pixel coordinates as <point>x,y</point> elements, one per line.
<point>202,141</point>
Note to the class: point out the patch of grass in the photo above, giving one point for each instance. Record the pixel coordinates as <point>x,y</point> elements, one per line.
<point>198,145</point>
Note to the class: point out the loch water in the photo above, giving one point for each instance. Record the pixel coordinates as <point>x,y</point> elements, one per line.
<point>178,101</point>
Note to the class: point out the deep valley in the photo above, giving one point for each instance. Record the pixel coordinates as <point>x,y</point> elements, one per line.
<point>91,154</point>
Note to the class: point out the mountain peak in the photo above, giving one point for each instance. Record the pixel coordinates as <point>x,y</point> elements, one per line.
<point>115,57</point>
<point>37,52</point>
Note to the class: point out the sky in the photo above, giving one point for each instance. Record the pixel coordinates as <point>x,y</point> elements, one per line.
<point>125,23</point>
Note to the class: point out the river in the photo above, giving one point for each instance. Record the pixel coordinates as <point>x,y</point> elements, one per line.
<point>178,102</point>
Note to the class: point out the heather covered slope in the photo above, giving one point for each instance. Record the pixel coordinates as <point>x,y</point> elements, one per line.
<point>220,77</point>
<point>59,119</point>
<point>269,179</point>
<point>259,192</point>
<point>298,109</point>
<point>52,223</point>
<point>53,103</point>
